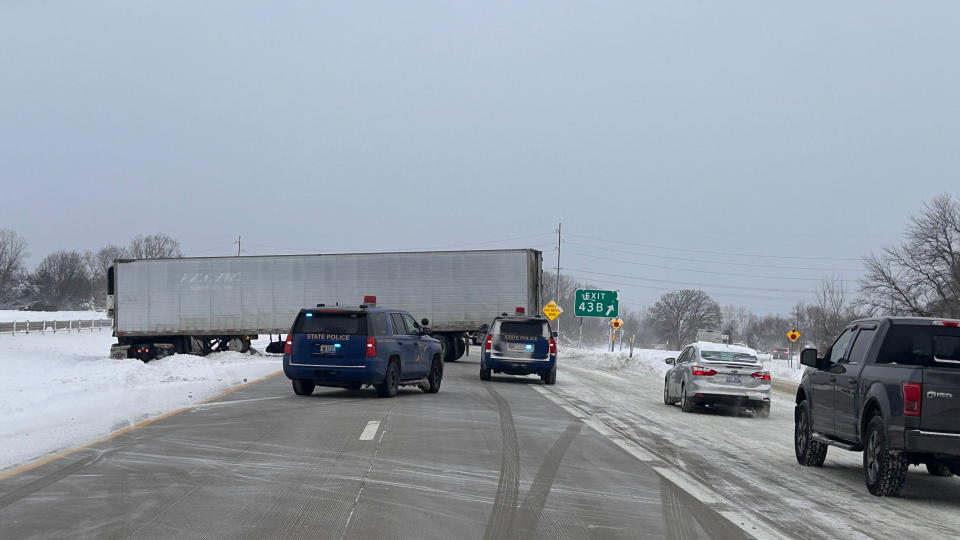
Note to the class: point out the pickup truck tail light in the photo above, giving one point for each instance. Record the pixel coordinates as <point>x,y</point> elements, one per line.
<point>762,375</point>
<point>489,344</point>
<point>701,371</point>
<point>912,393</point>
<point>553,346</point>
<point>288,345</point>
<point>371,346</point>
<point>946,323</point>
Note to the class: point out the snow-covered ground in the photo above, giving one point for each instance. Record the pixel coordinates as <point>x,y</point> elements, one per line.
<point>652,361</point>
<point>9,315</point>
<point>62,390</point>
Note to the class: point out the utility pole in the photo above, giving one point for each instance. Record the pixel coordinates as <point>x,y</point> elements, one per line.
<point>559,227</point>
<point>238,245</point>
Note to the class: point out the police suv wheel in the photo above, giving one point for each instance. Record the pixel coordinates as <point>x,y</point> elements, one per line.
<point>436,376</point>
<point>484,374</point>
<point>391,381</point>
<point>303,388</point>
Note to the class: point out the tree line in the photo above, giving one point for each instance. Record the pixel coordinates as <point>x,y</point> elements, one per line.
<point>918,277</point>
<point>69,279</point>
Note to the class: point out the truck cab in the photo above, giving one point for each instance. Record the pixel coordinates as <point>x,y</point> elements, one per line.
<point>889,387</point>
<point>352,347</point>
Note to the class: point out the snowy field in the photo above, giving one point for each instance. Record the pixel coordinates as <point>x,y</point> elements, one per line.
<point>10,315</point>
<point>62,390</point>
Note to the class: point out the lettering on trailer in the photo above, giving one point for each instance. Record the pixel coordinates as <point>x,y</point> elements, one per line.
<point>334,337</point>
<point>200,281</point>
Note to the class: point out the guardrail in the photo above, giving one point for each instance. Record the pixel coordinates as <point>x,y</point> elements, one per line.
<point>43,327</point>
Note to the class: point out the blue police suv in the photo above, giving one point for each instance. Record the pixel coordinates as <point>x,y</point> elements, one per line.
<point>352,347</point>
<point>519,345</point>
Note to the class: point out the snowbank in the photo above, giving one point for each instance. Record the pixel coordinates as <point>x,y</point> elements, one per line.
<point>651,361</point>
<point>62,390</point>
<point>9,315</point>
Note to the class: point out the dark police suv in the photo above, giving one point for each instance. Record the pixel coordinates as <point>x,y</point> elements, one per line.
<point>520,345</point>
<point>890,388</point>
<point>352,347</point>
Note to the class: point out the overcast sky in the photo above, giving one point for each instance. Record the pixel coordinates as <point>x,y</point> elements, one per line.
<point>796,129</point>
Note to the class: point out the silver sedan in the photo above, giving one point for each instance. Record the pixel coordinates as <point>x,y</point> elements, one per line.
<point>717,374</point>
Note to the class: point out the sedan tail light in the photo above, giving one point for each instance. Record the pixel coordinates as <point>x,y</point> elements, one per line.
<point>762,375</point>
<point>371,346</point>
<point>288,345</point>
<point>912,393</point>
<point>701,371</point>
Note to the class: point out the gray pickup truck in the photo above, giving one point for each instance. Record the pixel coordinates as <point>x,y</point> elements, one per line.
<point>889,387</point>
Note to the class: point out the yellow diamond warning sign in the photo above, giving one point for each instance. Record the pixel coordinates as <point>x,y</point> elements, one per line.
<point>552,310</point>
<point>793,335</point>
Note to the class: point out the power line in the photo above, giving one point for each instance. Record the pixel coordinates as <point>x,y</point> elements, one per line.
<point>708,261</point>
<point>588,280</point>
<point>450,246</point>
<point>700,271</point>
<point>707,252</point>
<point>685,283</point>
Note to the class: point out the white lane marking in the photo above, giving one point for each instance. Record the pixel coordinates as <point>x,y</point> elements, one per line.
<point>676,476</point>
<point>370,431</point>
<point>219,403</point>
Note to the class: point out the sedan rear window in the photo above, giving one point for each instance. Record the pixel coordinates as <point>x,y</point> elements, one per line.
<point>331,323</point>
<point>523,328</point>
<point>728,356</point>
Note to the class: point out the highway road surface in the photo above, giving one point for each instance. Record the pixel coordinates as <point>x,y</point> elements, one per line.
<point>477,460</point>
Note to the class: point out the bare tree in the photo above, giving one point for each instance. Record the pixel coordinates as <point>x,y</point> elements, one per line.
<point>13,249</point>
<point>154,246</point>
<point>61,279</point>
<point>97,263</point>
<point>821,322</point>
<point>922,275</point>
<point>678,315</point>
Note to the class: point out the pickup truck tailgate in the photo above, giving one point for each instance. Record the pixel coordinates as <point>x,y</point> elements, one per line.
<point>940,408</point>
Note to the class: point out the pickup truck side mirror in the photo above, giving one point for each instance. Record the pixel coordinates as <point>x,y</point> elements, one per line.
<point>670,361</point>
<point>808,357</point>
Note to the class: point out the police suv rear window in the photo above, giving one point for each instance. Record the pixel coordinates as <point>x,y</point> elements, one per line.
<point>313,322</point>
<point>916,345</point>
<point>522,328</point>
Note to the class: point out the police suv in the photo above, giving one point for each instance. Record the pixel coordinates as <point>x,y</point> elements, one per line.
<point>519,345</point>
<point>352,347</point>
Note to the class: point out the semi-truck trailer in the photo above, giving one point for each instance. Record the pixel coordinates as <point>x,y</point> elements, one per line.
<point>201,304</point>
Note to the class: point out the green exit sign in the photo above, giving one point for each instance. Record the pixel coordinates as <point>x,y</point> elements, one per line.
<point>596,303</point>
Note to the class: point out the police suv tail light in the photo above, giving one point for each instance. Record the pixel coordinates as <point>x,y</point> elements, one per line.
<point>371,347</point>
<point>489,344</point>
<point>288,345</point>
<point>912,393</point>
<point>553,346</point>
<point>762,375</point>
<point>701,371</point>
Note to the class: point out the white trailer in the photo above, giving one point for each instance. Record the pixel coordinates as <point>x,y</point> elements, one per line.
<point>199,304</point>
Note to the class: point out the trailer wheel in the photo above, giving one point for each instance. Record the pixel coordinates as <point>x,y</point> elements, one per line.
<point>460,346</point>
<point>446,345</point>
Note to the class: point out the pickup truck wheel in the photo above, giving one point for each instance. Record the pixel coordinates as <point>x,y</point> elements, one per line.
<point>391,381</point>
<point>883,469</point>
<point>686,404</point>
<point>303,388</point>
<point>938,469</point>
<point>484,374</point>
<point>436,376</point>
<point>809,452</point>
